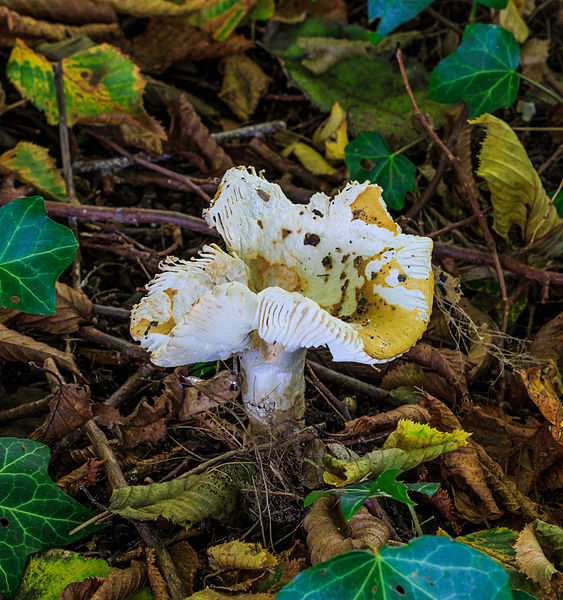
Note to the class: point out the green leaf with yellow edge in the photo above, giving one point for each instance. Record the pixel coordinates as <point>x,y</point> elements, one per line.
<point>33,165</point>
<point>409,445</point>
<point>221,17</point>
<point>309,158</point>
<point>240,555</point>
<point>184,501</point>
<point>517,193</point>
<point>34,251</point>
<point>34,513</point>
<point>101,86</point>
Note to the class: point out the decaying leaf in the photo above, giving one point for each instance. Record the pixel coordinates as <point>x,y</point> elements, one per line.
<point>548,341</point>
<point>187,563</point>
<point>387,420</point>
<point>189,137</point>
<point>156,580</point>
<point>73,309</point>
<point>532,561</point>
<point>293,11</point>
<point>184,501</point>
<point>240,555</point>
<point>517,193</point>
<point>541,390</point>
<point>145,424</point>
<point>159,8</point>
<point>309,158</point>
<point>244,84</point>
<point>15,26</point>
<point>84,476</point>
<point>511,19</point>
<point>533,58</point>
<point>33,165</point>
<point>200,395</point>
<point>119,584</point>
<point>69,410</point>
<point>323,53</point>
<point>409,445</point>
<point>101,86</point>
<point>328,534</point>
<point>209,594</point>
<point>332,134</point>
<point>18,347</point>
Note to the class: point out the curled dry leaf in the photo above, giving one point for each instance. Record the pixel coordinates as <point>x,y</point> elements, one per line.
<point>156,581</point>
<point>84,476</point>
<point>328,534</point>
<point>200,395</point>
<point>244,84</point>
<point>85,11</point>
<point>15,346</point>
<point>532,561</point>
<point>387,420</point>
<point>15,26</point>
<point>170,40</point>
<point>240,555</point>
<point>548,342</point>
<point>69,410</point>
<point>541,390</point>
<point>161,8</point>
<point>73,309</point>
<point>190,137</point>
<point>187,563</point>
<point>144,425</point>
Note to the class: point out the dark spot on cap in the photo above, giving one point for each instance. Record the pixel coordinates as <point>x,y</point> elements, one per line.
<point>285,233</point>
<point>264,195</point>
<point>327,262</point>
<point>317,212</point>
<point>153,323</point>
<point>356,214</point>
<point>4,522</point>
<point>260,224</point>
<point>311,239</point>
<point>357,261</point>
<point>373,275</point>
<point>84,74</point>
<point>402,278</point>
<point>345,258</point>
<point>342,275</point>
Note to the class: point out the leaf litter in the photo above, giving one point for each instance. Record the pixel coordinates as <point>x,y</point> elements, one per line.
<point>161,99</point>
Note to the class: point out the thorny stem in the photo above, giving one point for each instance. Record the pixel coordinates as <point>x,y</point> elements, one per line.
<point>468,191</point>
<point>541,87</point>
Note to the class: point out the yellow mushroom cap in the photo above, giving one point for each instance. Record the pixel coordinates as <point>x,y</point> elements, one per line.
<point>335,272</point>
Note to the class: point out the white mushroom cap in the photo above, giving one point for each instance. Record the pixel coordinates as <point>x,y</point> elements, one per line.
<point>336,273</point>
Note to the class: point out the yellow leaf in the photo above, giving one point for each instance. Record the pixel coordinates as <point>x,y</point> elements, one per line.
<point>410,435</point>
<point>517,193</point>
<point>244,83</point>
<point>309,158</point>
<point>240,555</point>
<point>333,134</point>
<point>510,19</point>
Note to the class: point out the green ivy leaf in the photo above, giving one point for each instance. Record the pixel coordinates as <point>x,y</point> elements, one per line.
<point>481,72</point>
<point>34,513</point>
<point>393,172</point>
<point>34,251</point>
<point>352,497</point>
<point>493,3</point>
<point>429,568</point>
<point>394,12</point>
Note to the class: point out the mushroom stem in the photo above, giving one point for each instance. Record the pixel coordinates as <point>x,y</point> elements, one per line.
<point>273,386</point>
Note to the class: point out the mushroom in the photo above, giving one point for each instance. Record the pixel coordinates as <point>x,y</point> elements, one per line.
<point>335,272</point>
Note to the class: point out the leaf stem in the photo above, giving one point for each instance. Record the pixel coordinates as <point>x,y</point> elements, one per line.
<point>404,148</point>
<point>415,520</point>
<point>541,87</point>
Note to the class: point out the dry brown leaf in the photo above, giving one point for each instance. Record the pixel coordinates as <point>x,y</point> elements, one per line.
<point>84,476</point>
<point>156,581</point>
<point>78,11</point>
<point>553,477</point>
<point>531,560</point>
<point>328,534</point>
<point>69,410</point>
<point>81,590</point>
<point>294,11</point>
<point>72,309</point>
<point>161,8</point>
<point>16,26</point>
<point>167,41</point>
<point>189,137</point>
<point>540,388</point>
<point>533,58</point>
<point>122,583</point>
<point>201,395</point>
<point>244,83</point>
<point>187,563</point>
<point>388,420</point>
<point>15,346</point>
<point>144,424</point>
<point>548,342</point>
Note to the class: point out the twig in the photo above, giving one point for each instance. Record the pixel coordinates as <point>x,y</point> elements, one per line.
<point>127,215</point>
<point>29,409</point>
<point>484,258</point>
<point>339,407</point>
<point>554,157</point>
<point>457,224</point>
<point>249,131</point>
<point>105,339</point>
<point>131,385</point>
<point>111,311</point>
<point>449,24</point>
<point>146,531</point>
<point>468,191</point>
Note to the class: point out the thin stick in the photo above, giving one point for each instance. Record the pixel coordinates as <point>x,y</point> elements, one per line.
<point>468,191</point>
<point>457,224</point>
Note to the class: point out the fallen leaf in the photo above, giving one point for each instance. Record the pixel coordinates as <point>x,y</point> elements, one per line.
<point>190,138</point>
<point>240,555</point>
<point>332,134</point>
<point>540,388</point>
<point>15,346</point>
<point>244,84</point>
<point>33,165</point>
<point>73,308</point>
<point>144,425</point>
<point>294,11</point>
<point>156,580</point>
<point>221,18</point>
<point>387,420</point>
<point>532,561</point>
<point>309,158</point>
<point>533,58</point>
<point>14,27</point>
<point>84,476</point>
<point>323,53</point>
<point>187,563</point>
<point>84,11</point>
<point>328,534</point>
<point>511,19</point>
<point>70,408</point>
<point>156,8</point>
<point>200,395</point>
